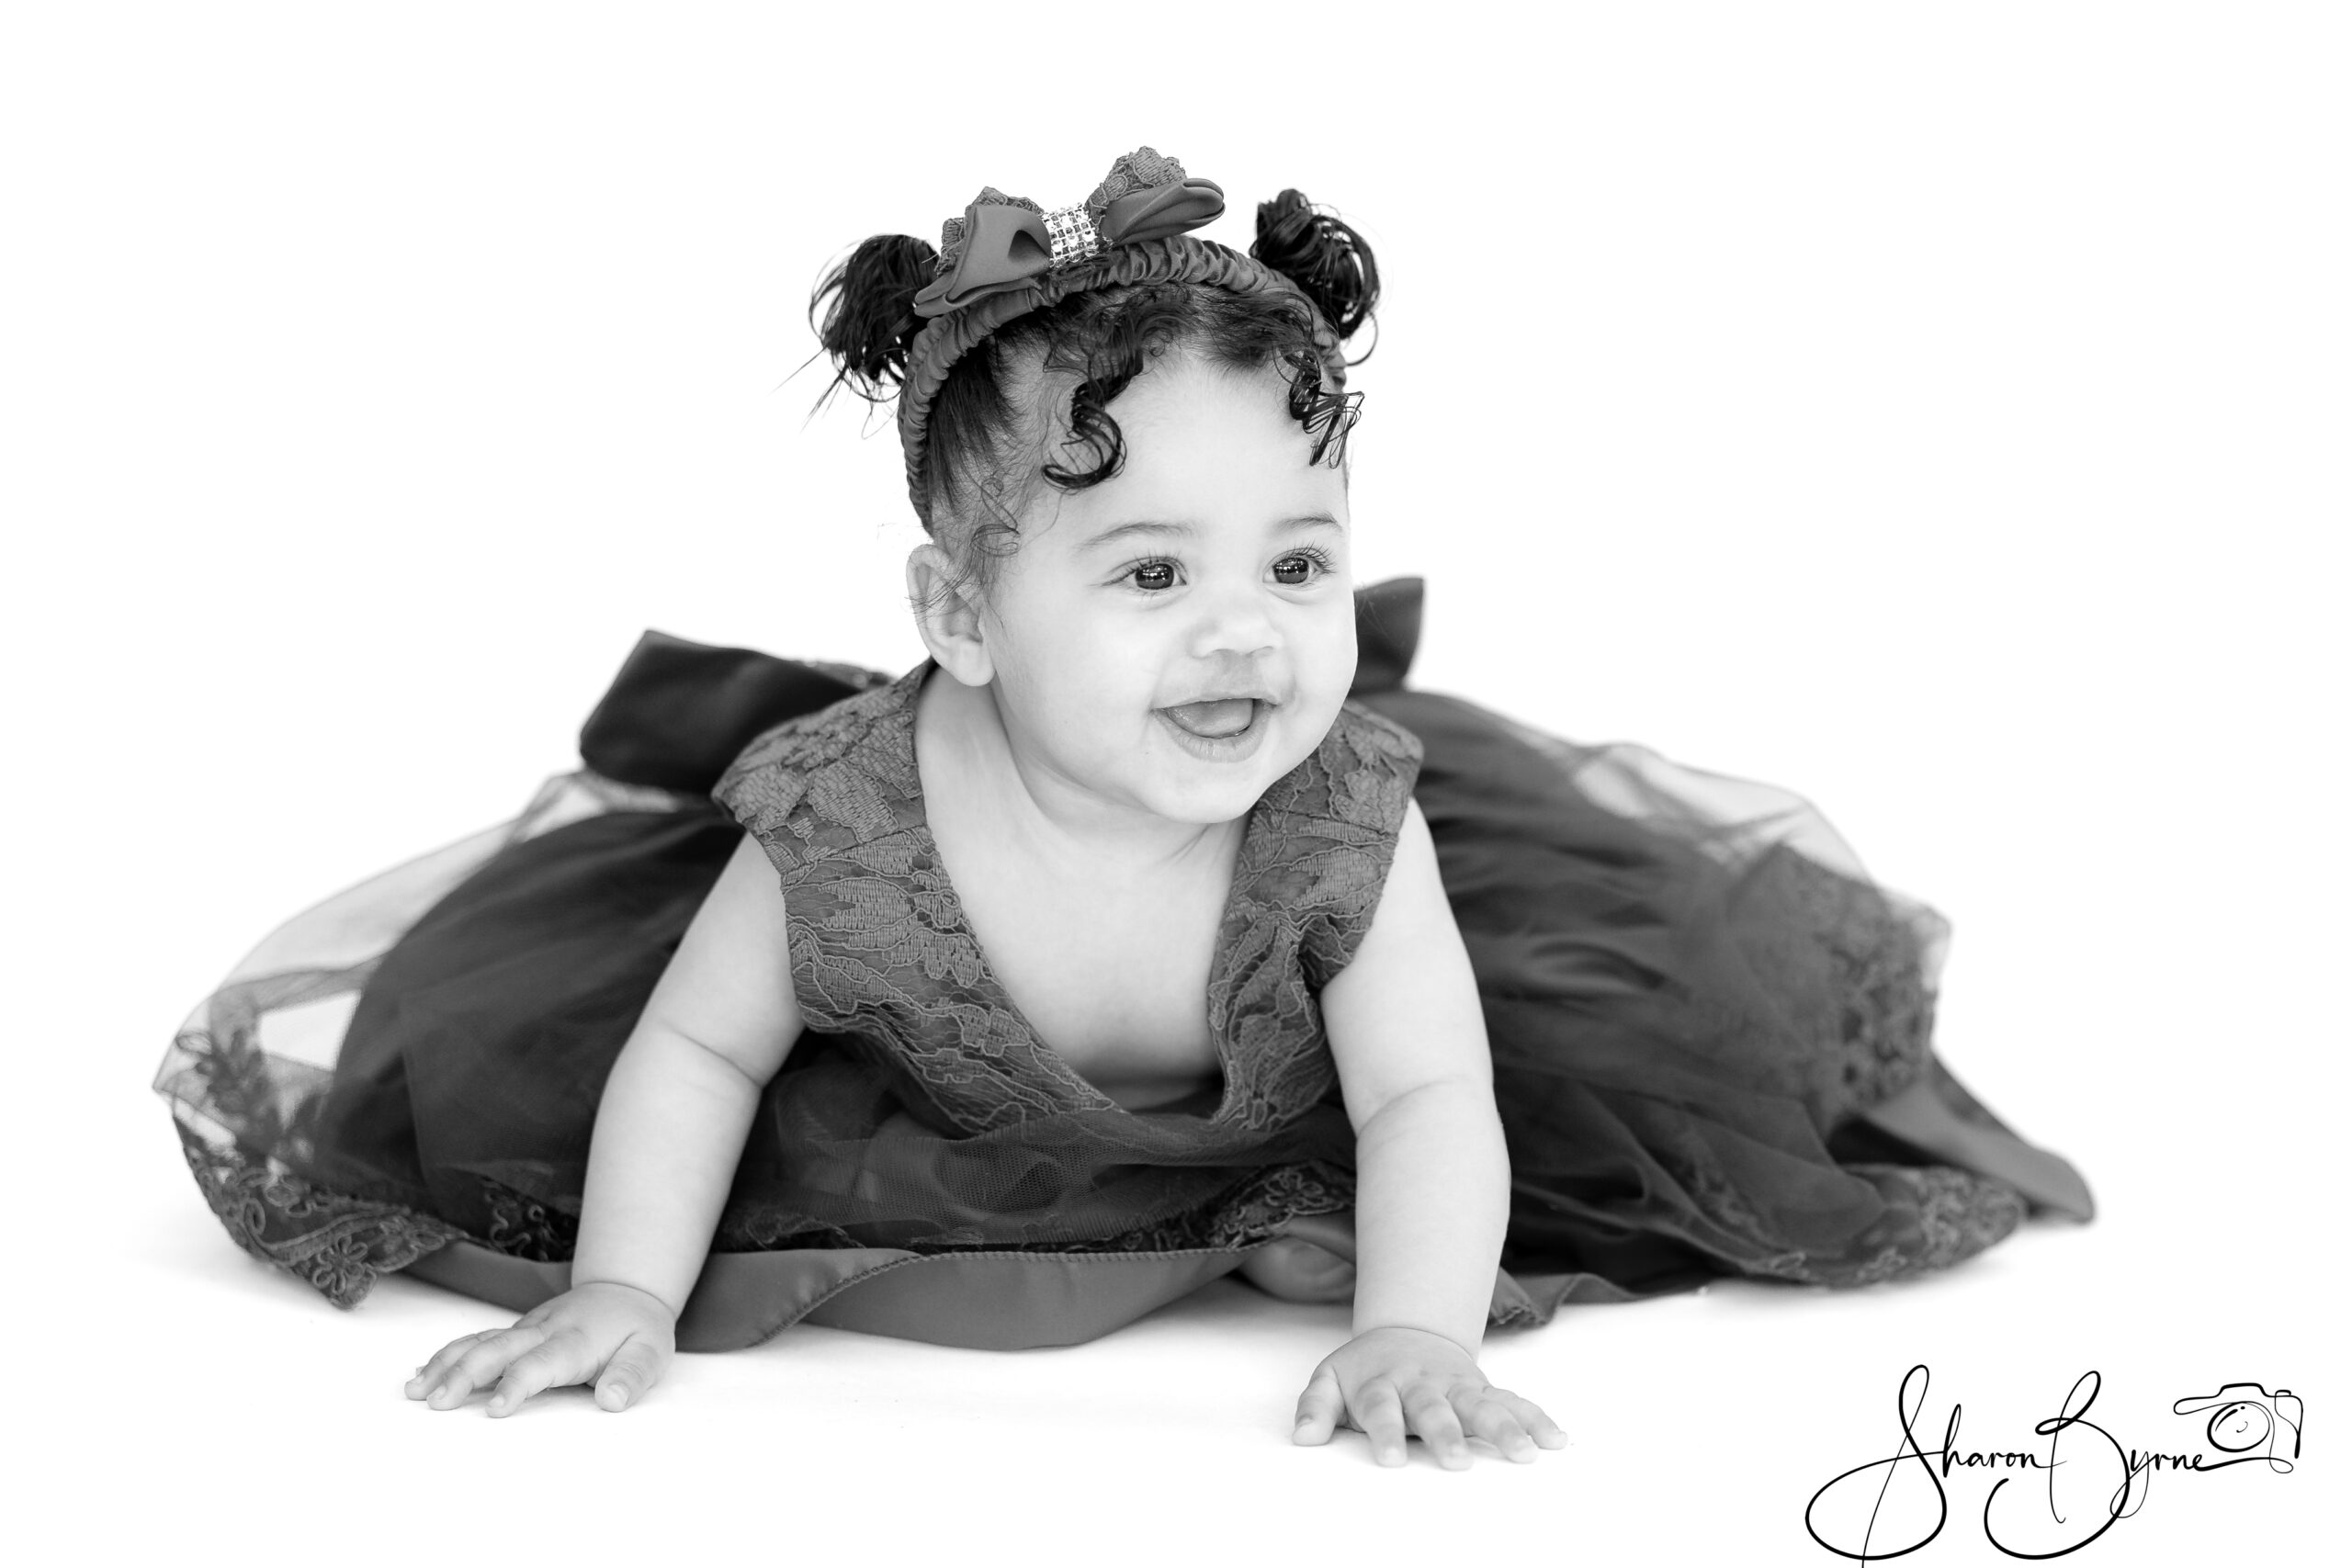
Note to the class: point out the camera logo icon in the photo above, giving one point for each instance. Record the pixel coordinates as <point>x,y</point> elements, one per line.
<point>2250,1422</point>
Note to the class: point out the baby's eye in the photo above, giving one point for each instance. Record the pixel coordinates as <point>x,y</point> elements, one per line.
<point>1153,575</point>
<point>1299,569</point>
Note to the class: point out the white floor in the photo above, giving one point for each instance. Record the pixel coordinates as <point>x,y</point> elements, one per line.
<point>1942,416</point>
<point>227,1401</point>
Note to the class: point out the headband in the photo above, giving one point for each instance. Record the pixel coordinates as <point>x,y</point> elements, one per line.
<point>1006,256</point>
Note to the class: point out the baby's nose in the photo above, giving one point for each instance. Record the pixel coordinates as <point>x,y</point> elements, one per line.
<point>1234,622</point>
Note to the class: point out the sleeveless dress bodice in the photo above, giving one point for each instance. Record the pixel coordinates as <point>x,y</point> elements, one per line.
<point>881,952</point>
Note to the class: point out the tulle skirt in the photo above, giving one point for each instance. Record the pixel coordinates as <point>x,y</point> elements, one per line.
<point>1710,1032</point>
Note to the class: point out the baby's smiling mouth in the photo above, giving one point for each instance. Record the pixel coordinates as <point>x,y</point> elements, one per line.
<point>1216,719</point>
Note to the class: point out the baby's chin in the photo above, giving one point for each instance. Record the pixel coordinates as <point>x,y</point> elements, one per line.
<point>1191,784</point>
<point>1202,806</point>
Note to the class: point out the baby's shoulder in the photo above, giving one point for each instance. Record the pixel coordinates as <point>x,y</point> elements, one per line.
<point>1374,740</point>
<point>1362,774</point>
<point>1330,837</point>
<point>841,771</point>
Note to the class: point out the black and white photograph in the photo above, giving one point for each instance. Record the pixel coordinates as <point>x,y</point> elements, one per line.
<point>1078,785</point>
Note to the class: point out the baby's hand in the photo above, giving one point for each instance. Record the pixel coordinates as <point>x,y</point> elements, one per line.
<point>618,1336</point>
<point>1386,1382</point>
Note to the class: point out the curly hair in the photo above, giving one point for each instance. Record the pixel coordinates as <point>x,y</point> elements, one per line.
<point>985,450</point>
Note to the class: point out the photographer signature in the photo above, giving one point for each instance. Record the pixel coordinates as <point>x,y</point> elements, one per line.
<point>1879,1509</point>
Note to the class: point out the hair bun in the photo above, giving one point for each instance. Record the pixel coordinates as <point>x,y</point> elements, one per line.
<point>1328,260</point>
<point>870,321</point>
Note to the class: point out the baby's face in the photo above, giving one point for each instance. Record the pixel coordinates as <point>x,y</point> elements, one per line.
<point>1180,636</point>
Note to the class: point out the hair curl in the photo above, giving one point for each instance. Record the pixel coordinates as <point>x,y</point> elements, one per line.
<point>983,456</point>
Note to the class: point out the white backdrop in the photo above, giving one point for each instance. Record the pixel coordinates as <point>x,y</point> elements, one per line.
<point>1939,410</point>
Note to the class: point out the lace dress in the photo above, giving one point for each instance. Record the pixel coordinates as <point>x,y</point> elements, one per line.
<point>1710,1032</point>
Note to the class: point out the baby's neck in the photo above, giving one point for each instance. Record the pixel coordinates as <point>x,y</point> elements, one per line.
<point>974,772</point>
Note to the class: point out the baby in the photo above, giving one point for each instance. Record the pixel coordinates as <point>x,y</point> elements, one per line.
<point>1138,603</point>
<point>1108,950</point>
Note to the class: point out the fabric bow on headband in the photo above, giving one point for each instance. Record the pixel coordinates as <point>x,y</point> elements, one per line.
<point>1005,242</point>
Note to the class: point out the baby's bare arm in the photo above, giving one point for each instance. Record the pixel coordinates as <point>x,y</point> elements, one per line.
<point>669,1130</point>
<point>1433,1184</point>
<point>1432,1181</point>
<point>670,1126</point>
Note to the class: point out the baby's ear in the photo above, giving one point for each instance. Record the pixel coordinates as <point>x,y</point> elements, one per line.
<point>947,604</point>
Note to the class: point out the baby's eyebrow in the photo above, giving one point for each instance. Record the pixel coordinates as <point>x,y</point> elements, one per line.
<point>1155,530</point>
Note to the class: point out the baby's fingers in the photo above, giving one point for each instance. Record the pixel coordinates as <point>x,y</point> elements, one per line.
<point>1380,1415</point>
<point>478,1365</point>
<point>632,1370</point>
<point>562,1356</point>
<point>1542,1427</point>
<point>1433,1422</point>
<point>1486,1415</point>
<point>1320,1408</point>
<point>428,1376</point>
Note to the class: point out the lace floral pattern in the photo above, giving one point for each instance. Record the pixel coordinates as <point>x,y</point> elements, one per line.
<point>335,1243</point>
<point>1934,1216</point>
<point>1245,1213</point>
<point>1138,170</point>
<point>521,1226</point>
<point>879,946</point>
<point>1884,988</point>
<point>1252,1211</point>
<point>1945,1216</point>
<point>1851,975</point>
